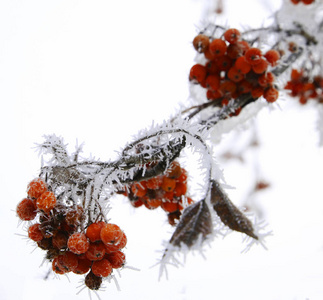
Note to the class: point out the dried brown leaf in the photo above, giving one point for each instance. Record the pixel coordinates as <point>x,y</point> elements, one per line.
<point>229,214</point>
<point>196,220</point>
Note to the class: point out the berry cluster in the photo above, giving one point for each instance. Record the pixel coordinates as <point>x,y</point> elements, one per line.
<point>305,88</point>
<point>233,68</point>
<point>167,191</point>
<point>306,2</point>
<point>60,231</point>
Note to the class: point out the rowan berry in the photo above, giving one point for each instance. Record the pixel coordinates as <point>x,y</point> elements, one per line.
<point>257,92</point>
<point>93,231</point>
<point>154,183</point>
<point>180,189</point>
<point>212,82</point>
<point>174,170</point>
<point>136,202</point>
<point>111,234</point>
<point>34,233</point>
<point>201,43</point>
<point>244,87</point>
<point>36,187</point>
<point>74,216</point>
<point>198,73</point>
<point>237,49</point>
<point>67,262</point>
<point>60,239</point>
<point>292,47</point>
<point>26,210</point>
<point>253,56</point>
<point>152,203</point>
<point>218,47</point>
<point>170,206</point>
<point>232,35</point>
<point>260,67</point>
<point>101,268</point>
<point>266,79</point>
<point>212,95</point>
<point>228,87</point>
<point>272,56</point>
<point>183,176</point>
<point>92,281</point>
<point>235,75</point>
<point>78,243</point>
<point>83,266</point>
<point>117,246</point>
<point>117,259</point>
<point>223,63</point>
<point>271,94</point>
<point>139,189</point>
<point>46,201</point>
<point>242,65</point>
<point>56,267</point>
<point>168,184</point>
<point>307,2</point>
<point>96,251</point>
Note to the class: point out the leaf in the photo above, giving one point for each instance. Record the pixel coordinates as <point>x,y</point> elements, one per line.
<point>196,220</point>
<point>229,214</point>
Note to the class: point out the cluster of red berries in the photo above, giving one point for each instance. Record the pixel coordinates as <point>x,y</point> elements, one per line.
<point>233,68</point>
<point>306,2</point>
<point>95,251</point>
<point>167,191</point>
<point>305,88</point>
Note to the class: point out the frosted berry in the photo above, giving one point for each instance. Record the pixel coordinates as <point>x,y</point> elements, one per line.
<point>36,187</point>
<point>271,94</point>
<point>201,42</point>
<point>67,262</point>
<point>26,210</point>
<point>117,259</point>
<point>117,246</point>
<point>83,266</point>
<point>218,47</point>
<point>46,201</point>
<point>111,234</point>
<point>101,268</point>
<point>96,251</point>
<point>232,35</point>
<point>253,56</point>
<point>34,233</point>
<point>78,243</point>
<point>94,230</point>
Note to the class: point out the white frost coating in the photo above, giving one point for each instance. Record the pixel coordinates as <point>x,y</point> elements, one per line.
<point>225,126</point>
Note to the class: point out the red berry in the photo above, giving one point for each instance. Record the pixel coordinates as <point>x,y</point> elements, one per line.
<point>152,203</point>
<point>78,243</point>
<point>154,183</point>
<point>174,170</point>
<point>272,57</point>
<point>67,262</point>
<point>117,246</point>
<point>212,82</point>
<point>57,268</point>
<point>201,42</point>
<point>180,189</point>
<point>93,231</point>
<point>111,234</point>
<point>46,201</point>
<point>26,210</point>
<point>260,67</point>
<point>170,206</point>
<point>139,189</point>
<point>218,47</point>
<point>168,184</point>
<point>83,266</point>
<point>242,65</point>
<point>235,75</point>
<point>197,73</point>
<point>34,233</point>
<point>232,35</point>
<point>101,268</point>
<point>96,251</point>
<point>271,94</point>
<point>117,259</point>
<point>253,56</point>
<point>36,187</point>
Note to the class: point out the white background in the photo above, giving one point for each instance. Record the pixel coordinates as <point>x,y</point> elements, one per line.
<point>100,71</point>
